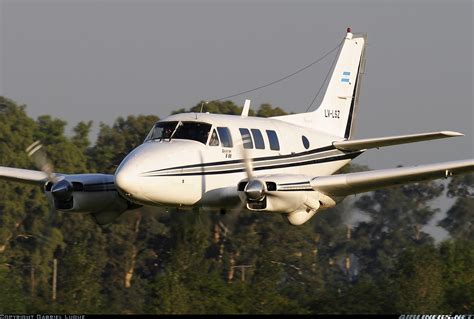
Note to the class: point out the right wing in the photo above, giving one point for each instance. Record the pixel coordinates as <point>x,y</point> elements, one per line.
<point>23,175</point>
<point>354,183</point>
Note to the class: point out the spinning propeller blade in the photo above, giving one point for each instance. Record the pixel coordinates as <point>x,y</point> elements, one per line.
<point>38,155</point>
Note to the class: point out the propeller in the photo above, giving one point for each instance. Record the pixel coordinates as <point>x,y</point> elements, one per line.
<point>61,189</point>
<point>255,189</point>
<point>38,155</point>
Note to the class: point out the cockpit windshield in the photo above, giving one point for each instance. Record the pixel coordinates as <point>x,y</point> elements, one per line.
<point>196,131</point>
<point>161,130</point>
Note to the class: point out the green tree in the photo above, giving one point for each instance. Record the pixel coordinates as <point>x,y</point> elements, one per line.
<point>216,107</point>
<point>12,299</point>
<point>23,208</point>
<point>81,135</point>
<point>266,286</point>
<point>460,217</point>
<point>230,108</point>
<point>190,283</point>
<point>397,216</point>
<point>64,153</point>
<point>420,281</point>
<point>79,272</point>
<point>114,143</point>
<point>458,275</point>
<point>266,110</point>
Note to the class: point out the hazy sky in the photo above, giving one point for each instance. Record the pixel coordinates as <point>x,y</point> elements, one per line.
<point>83,60</point>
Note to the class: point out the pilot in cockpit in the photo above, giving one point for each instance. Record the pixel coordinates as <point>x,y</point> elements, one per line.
<point>214,141</point>
<point>167,132</point>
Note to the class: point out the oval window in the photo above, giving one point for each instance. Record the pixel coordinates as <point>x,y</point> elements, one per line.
<point>305,142</point>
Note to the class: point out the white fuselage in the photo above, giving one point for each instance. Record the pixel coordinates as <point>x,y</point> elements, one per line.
<point>184,172</point>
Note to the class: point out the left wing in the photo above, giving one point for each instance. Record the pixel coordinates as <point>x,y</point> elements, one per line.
<point>355,145</point>
<point>23,175</point>
<point>354,183</point>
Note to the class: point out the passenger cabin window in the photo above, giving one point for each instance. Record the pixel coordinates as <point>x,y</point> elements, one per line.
<point>246,138</point>
<point>258,139</point>
<point>305,141</point>
<point>273,139</point>
<point>214,140</point>
<point>226,138</point>
<point>196,131</point>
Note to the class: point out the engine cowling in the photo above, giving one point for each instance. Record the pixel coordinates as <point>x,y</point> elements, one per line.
<point>88,193</point>
<point>290,194</point>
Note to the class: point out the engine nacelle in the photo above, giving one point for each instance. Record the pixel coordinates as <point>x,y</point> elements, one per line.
<point>88,193</point>
<point>283,195</point>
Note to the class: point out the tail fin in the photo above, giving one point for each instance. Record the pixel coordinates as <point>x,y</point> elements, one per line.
<point>335,115</point>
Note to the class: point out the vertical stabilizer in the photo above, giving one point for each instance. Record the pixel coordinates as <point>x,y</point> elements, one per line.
<point>335,115</point>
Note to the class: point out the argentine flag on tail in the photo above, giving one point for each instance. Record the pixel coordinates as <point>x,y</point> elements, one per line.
<point>345,76</point>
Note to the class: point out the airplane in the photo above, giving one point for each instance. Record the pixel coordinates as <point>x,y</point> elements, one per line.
<point>283,164</point>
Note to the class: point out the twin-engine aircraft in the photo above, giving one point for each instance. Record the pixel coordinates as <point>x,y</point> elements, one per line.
<point>280,164</point>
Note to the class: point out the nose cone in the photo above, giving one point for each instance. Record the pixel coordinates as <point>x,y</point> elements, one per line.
<point>147,175</point>
<point>127,178</point>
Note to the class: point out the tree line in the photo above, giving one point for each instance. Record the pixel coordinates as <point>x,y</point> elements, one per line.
<point>168,261</point>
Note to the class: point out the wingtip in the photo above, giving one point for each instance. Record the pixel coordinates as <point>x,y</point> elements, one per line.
<point>452,133</point>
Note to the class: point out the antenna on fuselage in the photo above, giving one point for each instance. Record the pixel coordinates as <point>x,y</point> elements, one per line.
<point>202,105</point>
<point>245,110</point>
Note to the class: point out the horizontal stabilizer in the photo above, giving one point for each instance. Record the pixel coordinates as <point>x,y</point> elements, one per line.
<point>354,145</point>
<point>354,183</point>
<point>23,175</point>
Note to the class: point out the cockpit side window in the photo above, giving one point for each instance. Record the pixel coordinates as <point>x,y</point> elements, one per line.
<point>196,131</point>
<point>214,140</point>
<point>226,138</point>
